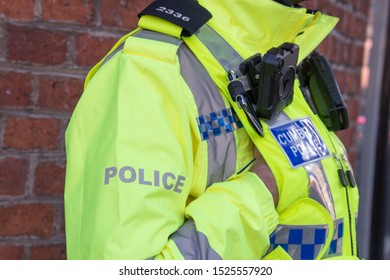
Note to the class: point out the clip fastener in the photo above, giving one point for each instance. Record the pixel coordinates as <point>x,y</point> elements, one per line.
<point>237,92</point>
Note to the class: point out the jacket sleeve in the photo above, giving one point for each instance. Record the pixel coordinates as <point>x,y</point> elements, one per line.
<point>231,220</point>
<point>130,150</point>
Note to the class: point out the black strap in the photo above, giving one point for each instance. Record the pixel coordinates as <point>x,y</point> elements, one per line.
<point>188,14</point>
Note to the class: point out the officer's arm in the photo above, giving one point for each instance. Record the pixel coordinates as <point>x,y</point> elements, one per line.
<point>261,169</point>
<point>231,220</point>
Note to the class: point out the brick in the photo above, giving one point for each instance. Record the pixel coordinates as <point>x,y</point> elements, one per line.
<point>326,7</point>
<point>357,55</point>
<point>345,51</point>
<point>323,48</point>
<point>353,82</point>
<point>13,176</point>
<point>62,223</point>
<point>342,79</point>
<point>365,7</point>
<point>79,11</point>
<point>362,6</point>
<point>30,133</point>
<point>91,49</point>
<point>11,252</point>
<point>35,219</point>
<point>122,13</point>
<point>59,93</point>
<point>15,89</point>
<point>49,179</point>
<point>38,46</point>
<point>49,252</point>
<point>354,109</point>
<point>362,29</point>
<point>334,52</point>
<point>348,22</point>
<point>19,10</point>
<point>311,5</point>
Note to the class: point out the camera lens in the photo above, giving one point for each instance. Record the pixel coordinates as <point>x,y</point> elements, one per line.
<point>286,83</point>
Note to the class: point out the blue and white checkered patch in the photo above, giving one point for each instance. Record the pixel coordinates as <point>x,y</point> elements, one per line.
<point>335,247</point>
<point>218,123</point>
<point>301,243</point>
<point>306,242</point>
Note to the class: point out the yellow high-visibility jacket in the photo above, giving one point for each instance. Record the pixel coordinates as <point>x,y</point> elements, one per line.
<point>159,156</point>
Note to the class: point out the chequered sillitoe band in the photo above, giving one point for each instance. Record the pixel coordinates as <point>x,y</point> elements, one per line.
<point>305,243</point>
<point>218,123</point>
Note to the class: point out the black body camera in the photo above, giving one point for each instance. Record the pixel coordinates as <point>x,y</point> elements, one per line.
<point>316,74</point>
<point>272,79</point>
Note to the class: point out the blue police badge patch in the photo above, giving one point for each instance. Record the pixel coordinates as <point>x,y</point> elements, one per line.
<point>300,141</point>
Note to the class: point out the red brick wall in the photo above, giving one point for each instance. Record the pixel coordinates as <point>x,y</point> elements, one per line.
<point>46,49</point>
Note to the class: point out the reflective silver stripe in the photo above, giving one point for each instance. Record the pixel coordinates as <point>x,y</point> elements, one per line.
<point>319,187</point>
<point>221,50</point>
<point>193,245</point>
<point>152,35</point>
<point>222,152</point>
<point>146,34</point>
<point>278,119</point>
<point>111,55</point>
<point>222,149</point>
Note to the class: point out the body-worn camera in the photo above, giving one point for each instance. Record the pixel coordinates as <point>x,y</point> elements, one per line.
<point>267,84</point>
<point>272,79</point>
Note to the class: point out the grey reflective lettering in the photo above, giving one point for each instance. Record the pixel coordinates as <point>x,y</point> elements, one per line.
<point>179,184</point>
<point>109,173</point>
<point>142,178</point>
<point>165,180</point>
<point>122,176</point>
<point>156,178</point>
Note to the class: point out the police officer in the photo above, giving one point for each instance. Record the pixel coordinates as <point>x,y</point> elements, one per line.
<point>174,153</point>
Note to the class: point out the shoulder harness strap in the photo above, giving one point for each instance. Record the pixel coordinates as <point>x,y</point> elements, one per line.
<point>188,14</point>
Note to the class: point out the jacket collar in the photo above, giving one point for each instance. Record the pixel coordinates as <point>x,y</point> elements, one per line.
<point>257,25</point>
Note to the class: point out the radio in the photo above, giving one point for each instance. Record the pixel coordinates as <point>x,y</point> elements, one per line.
<point>316,74</point>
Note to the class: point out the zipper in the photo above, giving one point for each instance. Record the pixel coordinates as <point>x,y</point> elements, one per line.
<point>340,169</point>
<point>349,173</point>
<point>347,179</point>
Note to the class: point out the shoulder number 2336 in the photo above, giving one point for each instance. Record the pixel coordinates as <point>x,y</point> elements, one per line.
<point>172,12</point>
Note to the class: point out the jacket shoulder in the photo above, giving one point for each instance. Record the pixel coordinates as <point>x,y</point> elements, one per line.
<point>153,45</point>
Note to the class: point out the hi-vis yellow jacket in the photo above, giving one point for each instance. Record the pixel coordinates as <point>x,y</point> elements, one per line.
<point>158,155</point>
